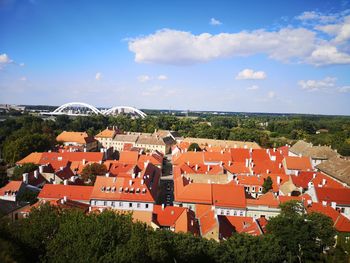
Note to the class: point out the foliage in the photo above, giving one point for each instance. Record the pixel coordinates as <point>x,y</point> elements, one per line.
<point>90,171</point>
<point>194,147</point>
<point>20,170</point>
<point>3,175</point>
<point>303,236</point>
<point>28,196</point>
<point>267,185</point>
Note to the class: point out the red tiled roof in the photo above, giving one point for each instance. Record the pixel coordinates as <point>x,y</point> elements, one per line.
<point>168,215</point>
<point>229,195</point>
<point>338,195</point>
<point>73,192</point>
<point>239,224</point>
<point>31,158</point>
<point>129,157</point>
<point>317,178</point>
<point>79,137</point>
<point>267,199</point>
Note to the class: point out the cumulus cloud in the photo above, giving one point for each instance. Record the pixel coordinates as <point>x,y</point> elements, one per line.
<point>344,89</point>
<point>143,78</point>
<point>215,22</point>
<point>251,74</point>
<point>301,45</point>
<point>23,78</point>
<point>98,76</point>
<point>253,87</point>
<point>4,60</point>
<point>162,77</point>
<point>318,85</point>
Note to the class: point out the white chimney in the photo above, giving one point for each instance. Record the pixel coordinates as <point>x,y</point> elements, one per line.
<point>65,198</point>
<point>324,181</point>
<point>84,161</point>
<point>41,168</point>
<point>25,178</point>
<point>280,165</point>
<point>229,163</point>
<point>267,171</point>
<point>334,205</point>
<point>84,150</point>
<point>36,174</point>
<point>324,203</point>
<point>130,182</point>
<point>273,158</point>
<point>65,182</point>
<point>196,167</point>
<point>208,168</point>
<point>163,206</point>
<point>278,180</point>
<point>246,162</point>
<point>309,202</point>
<point>314,176</point>
<point>107,174</point>
<point>251,150</point>
<point>143,181</point>
<point>188,163</point>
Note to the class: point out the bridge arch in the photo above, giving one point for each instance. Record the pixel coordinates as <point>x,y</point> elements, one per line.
<point>60,109</point>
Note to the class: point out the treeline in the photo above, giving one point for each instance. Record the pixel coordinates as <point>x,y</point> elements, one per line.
<point>50,234</point>
<point>21,135</point>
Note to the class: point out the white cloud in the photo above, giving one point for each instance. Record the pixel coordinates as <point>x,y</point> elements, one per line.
<point>304,44</point>
<point>215,22</point>
<point>23,78</point>
<point>328,55</point>
<point>271,95</point>
<point>162,77</point>
<point>344,89</point>
<point>179,47</point>
<point>143,78</point>
<point>98,76</point>
<point>318,85</point>
<point>4,60</point>
<point>253,87</point>
<point>251,74</point>
<point>310,16</point>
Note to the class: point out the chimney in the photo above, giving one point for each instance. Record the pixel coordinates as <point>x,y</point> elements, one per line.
<point>130,182</point>
<point>280,165</point>
<point>267,171</point>
<point>41,168</point>
<point>107,174</point>
<point>324,181</point>
<point>25,178</point>
<point>208,168</point>
<point>188,163</point>
<point>324,203</point>
<point>36,174</point>
<point>196,167</point>
<point>334,205</point>
<point>309,202</point>
<point>84,149</point>
<point>84,161</point>
<point>65,198</point>
<point>278,180</point>
<point>142,181</point>
<point>314,175</point>
<point>246,163</point>
<point>65,182</point>
<point>251,150</point>
<point>229,163</point>
<point>163,206</point>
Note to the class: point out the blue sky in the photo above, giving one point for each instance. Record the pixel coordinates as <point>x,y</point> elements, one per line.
<point>255,56</point>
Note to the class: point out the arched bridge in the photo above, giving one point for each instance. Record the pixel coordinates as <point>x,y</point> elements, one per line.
<point>84,109</point>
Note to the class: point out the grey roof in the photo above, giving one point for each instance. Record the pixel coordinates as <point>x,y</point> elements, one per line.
<point>126,138</point>
<point>149,139</point>
<point>6,207</point>
<point>314,152</point>
<point>336,167</point>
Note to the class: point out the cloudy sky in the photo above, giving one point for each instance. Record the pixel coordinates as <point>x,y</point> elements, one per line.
<point>255,56</point>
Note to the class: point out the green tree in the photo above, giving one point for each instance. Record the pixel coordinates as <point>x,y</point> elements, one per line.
<point>90,171</point>
<point>267,185</point>
<point>20,170</point>
<point>194,147</point>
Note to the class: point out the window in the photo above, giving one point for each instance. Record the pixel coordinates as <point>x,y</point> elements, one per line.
<point>146,205</point>
<point>253,189</point>
<point>138,205</point>
<point>222,212</point>
<point>112,204</point>
<point>241,213</point>
<point>16,216</point>
<point>130,205</point>
<point>227,212</point>
<point>104,203</point>
<point>121,204</point>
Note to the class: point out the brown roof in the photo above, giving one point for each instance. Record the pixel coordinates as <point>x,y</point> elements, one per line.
<point>336,167</point>
<point>149,139</point>
<point>31,158</point>
<point>222,143</point>
<point>107,133</point>
<point>126,137</point>
<point>315,152</point>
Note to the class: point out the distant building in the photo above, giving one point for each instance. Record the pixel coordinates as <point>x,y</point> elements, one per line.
<point>80,140</point>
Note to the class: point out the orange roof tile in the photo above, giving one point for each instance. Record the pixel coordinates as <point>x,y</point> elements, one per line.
<point>107,133</point>
<point>31,158</point>
<point>79,137</point>
<point>168,215</point>
<point>229,195</point>
<point>129,157</point>
<point>73,192</point>
<point>298,163</point>
<point>239,224</point>
<point>13,186</point>
<point>267,199</point>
